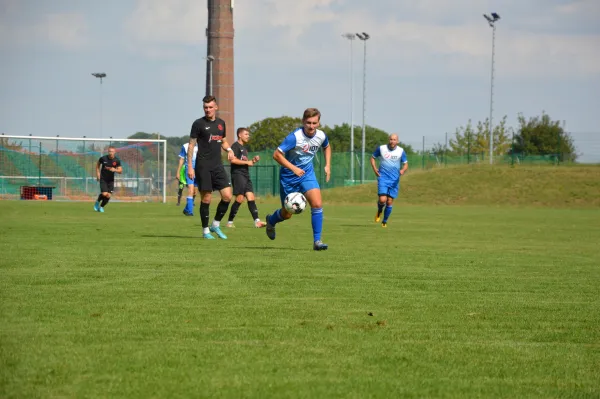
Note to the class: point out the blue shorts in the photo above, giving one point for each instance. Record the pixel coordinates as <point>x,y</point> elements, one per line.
<point>189,181</point>
<point>308,182</point>
<point>388,188</point>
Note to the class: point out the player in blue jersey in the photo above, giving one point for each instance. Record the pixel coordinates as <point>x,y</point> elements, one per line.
<point>392,165</point>
<point>191,183</point>
<point>295,155</point>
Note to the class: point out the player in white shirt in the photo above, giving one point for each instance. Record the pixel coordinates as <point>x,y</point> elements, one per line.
<point>392,165</point>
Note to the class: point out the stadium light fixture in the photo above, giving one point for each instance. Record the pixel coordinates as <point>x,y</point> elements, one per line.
<point>101,76</point>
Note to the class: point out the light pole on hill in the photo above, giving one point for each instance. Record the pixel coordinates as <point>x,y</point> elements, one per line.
<point>492,22</point>
<point>351,37</point>
<point>364,37</point>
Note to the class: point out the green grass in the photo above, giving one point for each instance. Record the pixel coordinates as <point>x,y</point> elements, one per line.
<point>446,302</point>
<point>546,186</point>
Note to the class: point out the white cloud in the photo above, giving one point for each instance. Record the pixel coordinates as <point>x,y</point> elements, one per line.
<point>168,22</point>
<point>424,34</point>
<point>65,30</point>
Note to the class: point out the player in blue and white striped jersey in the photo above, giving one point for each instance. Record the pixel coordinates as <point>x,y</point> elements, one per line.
<point>191,183</point>
<point>392,165</point>
<point>295,155</point>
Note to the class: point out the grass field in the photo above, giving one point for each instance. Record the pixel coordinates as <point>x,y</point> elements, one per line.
<point>448,301</point>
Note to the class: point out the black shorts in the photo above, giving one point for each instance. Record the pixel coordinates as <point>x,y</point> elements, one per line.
<point>107,186</point>
<point>241,184</point>
<point>212,178</point>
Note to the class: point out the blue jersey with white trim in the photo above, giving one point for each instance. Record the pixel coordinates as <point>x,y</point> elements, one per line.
<point>391,162</point>
<point>300,149</point>
<point>183,154</point>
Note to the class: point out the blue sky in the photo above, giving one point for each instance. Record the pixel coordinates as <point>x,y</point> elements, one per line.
<point>428,64</point>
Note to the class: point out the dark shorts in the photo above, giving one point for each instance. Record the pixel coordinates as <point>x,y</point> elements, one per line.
<point>241,184</point>
<point>107,186</point>
<point>212,179</point>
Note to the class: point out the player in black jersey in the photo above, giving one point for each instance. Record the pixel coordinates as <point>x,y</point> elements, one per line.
<point>106,167</point>
<point>208,133</point>
<point>240,177</point>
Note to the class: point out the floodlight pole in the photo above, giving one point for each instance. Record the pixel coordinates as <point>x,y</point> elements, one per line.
<point>100,75</point>
<point>351,37</point>
<point>492,22</point>
<point>209,89</point>
<point>364,37</point>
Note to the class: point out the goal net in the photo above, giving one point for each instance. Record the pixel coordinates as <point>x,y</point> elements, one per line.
<point>44,168</point>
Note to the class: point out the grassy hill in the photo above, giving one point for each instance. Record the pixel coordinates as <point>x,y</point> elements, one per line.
<point>550,186</point>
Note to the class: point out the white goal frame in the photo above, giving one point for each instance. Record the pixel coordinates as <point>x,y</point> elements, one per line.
<point>161,142</point>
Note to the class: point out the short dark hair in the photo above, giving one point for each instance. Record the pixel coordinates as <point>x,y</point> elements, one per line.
<point>310,112</point>
<point>208,99</point>
<point>242,129</point>
<point>113,147</point>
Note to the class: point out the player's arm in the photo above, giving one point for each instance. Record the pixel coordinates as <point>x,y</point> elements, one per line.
<point>226,147</point>
<point>404,162</point>
<point>181,161</point>
<point>327,152</point>
<point>280,159</point>
<point>190,152</point>
<point>236,161</point>
<point>98,170</point>
<point>118,169</point>
<point>375,155</point>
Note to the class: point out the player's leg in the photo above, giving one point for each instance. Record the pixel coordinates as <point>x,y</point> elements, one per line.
<point>107,189</point>
<point>189,200</point>
<point>382,194</point>
<point>280,214</point>
<point>312,192</point>
<point>205,187</point>
<point>182,184</point>
<point>180,192</point>
<point>252,206</point>
<point>221,182</point>
<point>392,193</point>
<point>238,193</point>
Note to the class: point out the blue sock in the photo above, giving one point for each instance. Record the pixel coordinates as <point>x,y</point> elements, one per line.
<point>275,218</point>
<point>317,222</point>
<point>387,213</point>
<point>189,206</point>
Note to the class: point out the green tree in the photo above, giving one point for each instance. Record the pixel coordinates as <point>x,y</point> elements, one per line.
<point>541,135</point>
<point>469,140</point>
<point>339,137</point>
<point>268,133</point>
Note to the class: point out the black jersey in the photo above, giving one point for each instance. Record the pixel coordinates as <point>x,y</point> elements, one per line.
<point>106,163</point>
<point>240,153</point>
<point>209,135</point>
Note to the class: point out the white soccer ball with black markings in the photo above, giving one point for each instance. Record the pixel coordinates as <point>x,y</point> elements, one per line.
<point>294,203</point>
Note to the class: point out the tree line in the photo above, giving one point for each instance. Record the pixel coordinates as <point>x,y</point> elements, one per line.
<point>539,135</point>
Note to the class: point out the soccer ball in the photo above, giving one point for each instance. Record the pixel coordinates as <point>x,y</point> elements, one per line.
<point>294,203</point>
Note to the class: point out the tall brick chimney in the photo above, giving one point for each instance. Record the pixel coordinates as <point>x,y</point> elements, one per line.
<point>220,47</point>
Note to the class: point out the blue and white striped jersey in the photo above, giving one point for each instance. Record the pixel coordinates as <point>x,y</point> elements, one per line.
<point>391,162</point>
<point>300,150</point>
<point>183,154</point>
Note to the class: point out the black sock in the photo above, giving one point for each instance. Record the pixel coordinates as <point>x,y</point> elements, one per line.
<point>179,195</point>
<point>204,214</point>
<point>104,201</point>
<point>221,210</point>
<point>380,206</point>
<point>100,198</point>
<point>253,209</point>
<point>234,210</point>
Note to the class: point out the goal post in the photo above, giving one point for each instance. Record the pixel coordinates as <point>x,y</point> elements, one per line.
<point>64,168</point>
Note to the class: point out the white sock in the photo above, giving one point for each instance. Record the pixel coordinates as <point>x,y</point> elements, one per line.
<point>216,224</point>
<point>205,230</point>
